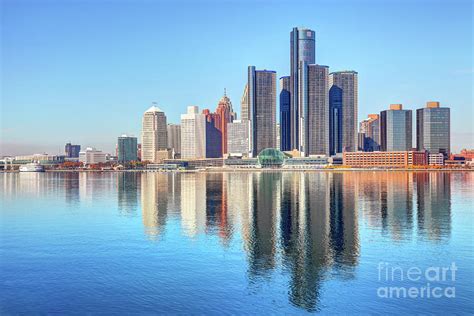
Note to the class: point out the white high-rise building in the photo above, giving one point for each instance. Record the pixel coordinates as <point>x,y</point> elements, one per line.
<point>154,133</point>
<point>238,137</point>
<point>193,134</point>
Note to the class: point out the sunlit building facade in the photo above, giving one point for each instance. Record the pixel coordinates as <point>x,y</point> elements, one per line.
<point>396,129</point>
<point>154,133</point>
<point>238,137</point>
<point>302,54</point>
<point>370,128</point>
<point>193,134</point>
<point>347,81</point>
<point>314,121</point>
<point>127,148</point>
<point>433,129</point>
<point>174,138</point>
<point>262,106</point>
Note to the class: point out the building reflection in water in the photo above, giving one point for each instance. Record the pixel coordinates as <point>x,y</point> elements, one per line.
<point>397,204</point>
<point>127,192</point>
<point>433,190</point>
<point>261,239</point>
<point>303,224</point>
<point>154,202</point>
<point>217,217</point>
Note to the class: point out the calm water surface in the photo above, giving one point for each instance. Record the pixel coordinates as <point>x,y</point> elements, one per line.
<point>232,242</point>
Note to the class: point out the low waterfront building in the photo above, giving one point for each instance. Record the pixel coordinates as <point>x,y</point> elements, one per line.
<point>311,162</point>
<point>271,158</point>
<point>241,163</point>
<point>92,156</point>
<point>393,159</point>
<point>436,159</point>
<point>162,166</point>
<point>39,158</point>
<point>196,163</point>
<point>468,154</point>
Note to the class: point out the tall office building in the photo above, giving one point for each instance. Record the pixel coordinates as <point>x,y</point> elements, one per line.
<point>396,129</point>
<point>335,120</point>
<point>174,138</point>
<point>72,151</point>
<point>347,81</point>
<point>127,148</point>
<point>314,121</point>
<point>302,53</point>
<point>224,115</point>
<point>433,129</point>
<point>193,134</point>
<point>154,133</point>
<point>285,117</point>
<point>370,128</point>
<point>244,105</point>
<point>213,135</point>
<point>238,137</point>
<point>262,107</point>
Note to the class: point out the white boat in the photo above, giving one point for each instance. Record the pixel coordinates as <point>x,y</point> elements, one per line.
<point>32,167</point>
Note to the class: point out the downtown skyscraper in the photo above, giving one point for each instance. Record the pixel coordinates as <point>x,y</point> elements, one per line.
<point>302,53</point>
<point>127,148</point>
<point>314,122</point>
<point>343,108</point>
<point>154,133</point>
<point>261,100</point>
<point>396,129</point>
<point>193,134</point>
<point>433,129</point>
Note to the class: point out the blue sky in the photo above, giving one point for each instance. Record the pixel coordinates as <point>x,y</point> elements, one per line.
<point>85,71</point>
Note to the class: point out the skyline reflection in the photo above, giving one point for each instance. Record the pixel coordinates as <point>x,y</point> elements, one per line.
<point>304,225</point>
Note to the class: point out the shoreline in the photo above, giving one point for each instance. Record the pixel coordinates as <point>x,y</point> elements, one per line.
<point>226,170</point>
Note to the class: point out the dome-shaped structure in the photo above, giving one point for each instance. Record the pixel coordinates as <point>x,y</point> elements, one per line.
<point>271,158</point>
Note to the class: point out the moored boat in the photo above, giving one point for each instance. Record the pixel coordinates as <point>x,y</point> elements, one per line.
<point>32,167</point>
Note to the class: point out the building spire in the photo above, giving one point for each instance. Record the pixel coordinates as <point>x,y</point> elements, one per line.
<point>225,92</point>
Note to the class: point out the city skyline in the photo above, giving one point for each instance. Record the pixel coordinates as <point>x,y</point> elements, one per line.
<point>38,41</point>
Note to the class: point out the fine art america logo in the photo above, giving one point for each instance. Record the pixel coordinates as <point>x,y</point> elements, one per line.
<point>416,282</point>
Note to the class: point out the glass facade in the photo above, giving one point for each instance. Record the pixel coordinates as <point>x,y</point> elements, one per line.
<point>302,53</point>
<point>72,151</point>
<point>433,130</point>
<point>285,118</point>
<point>271,157</point>
<point>396,130</point>
<point>127,148</point>
<point>335,120</point>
